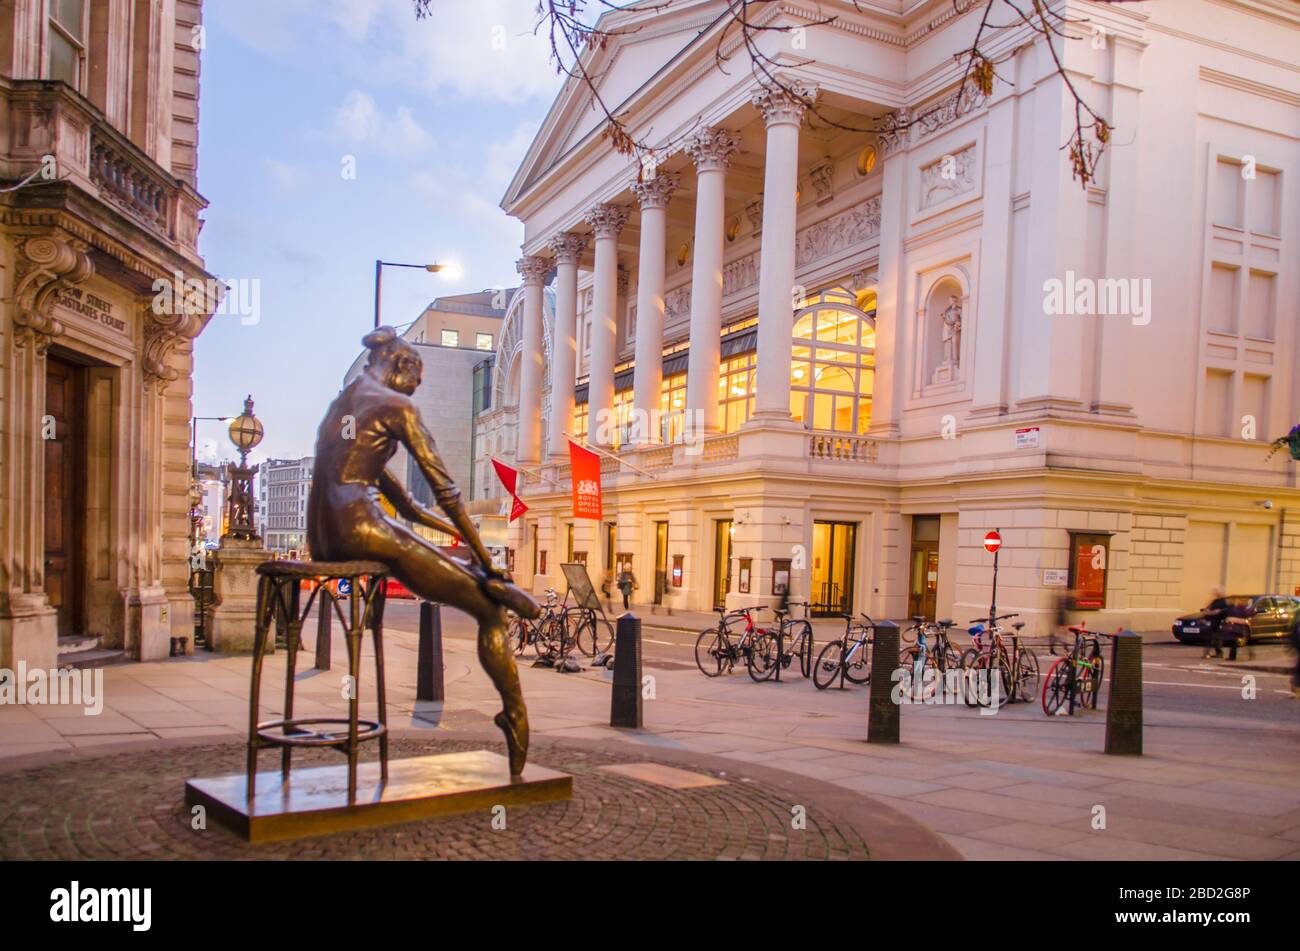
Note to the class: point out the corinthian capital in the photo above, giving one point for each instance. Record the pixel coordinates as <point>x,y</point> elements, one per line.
<point>567,247</point>
<point>532,268</point>
<point>655,192</point>
<point>784,104</point>
<point>607,220</point>
<point>711,149</point>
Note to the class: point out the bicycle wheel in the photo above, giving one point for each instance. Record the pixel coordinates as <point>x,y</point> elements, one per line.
<point>1098,678</point>
<point>762,660</point>
<point>518,633</point>
<point>1028,675</point>
<point>594,636</point>
<point>967,665</point>
<point>914,679</point>
<point>1056,686</point>
<point>710,652</point>
<point>858,669</point>
<point>827,669</point>
<point>549,638</point>
<point>806,650</point>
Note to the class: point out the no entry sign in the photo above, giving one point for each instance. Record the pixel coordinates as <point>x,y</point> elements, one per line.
<point>992,542</point>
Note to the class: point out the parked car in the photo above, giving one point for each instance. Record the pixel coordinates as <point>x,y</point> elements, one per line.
<point>1251,617</point>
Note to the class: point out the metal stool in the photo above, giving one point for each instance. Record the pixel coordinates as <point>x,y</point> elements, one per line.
<point>278,595</point>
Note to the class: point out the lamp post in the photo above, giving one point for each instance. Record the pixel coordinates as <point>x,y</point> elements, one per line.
<point>245,432</point>
<point>379,277</point>
<point>196,495</point>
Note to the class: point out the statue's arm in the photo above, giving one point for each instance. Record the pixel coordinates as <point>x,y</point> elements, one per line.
<point>407,507</point>
<point>419,443</point>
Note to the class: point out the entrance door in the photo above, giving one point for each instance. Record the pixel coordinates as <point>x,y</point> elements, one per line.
<point>721,562</point>
<point>923,575</point>
<point>834,544</point>
<point>661,561</point>
<point>65,498</point>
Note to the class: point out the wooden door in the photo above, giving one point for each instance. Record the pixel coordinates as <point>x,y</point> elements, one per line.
<point>65,497</point>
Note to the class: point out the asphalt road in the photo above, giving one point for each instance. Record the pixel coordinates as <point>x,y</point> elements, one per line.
<point>1177,683</point>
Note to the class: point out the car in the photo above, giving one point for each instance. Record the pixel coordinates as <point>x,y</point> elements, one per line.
<point>1251,617</point>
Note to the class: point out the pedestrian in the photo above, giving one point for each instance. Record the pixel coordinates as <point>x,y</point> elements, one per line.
<point>1064,605</point>
<point>627,584</point>
<point>1217,614</point>
<point>1295,674</point>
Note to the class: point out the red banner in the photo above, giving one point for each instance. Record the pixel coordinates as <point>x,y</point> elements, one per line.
<point>510,479</point>
<point>586,481</point>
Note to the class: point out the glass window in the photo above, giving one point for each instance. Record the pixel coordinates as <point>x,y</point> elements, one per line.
<point>580,422</point>
<point>67,36</point>
<point>622,417</point>
<point>831,384</point>
<point>451,338</point>
<point>672,408</point>
<point>483,341</point>
<point>736,391</point>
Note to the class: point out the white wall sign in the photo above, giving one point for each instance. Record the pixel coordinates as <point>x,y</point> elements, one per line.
<point>1058,577</point>
<point>1027,438</point>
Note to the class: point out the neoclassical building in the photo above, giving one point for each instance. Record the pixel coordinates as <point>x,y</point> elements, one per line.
<point>98,203</point>
<point>860,352</point>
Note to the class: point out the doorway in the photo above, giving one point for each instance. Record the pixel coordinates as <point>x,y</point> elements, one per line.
<point>721,562</point>
<point>661,561</point>
<point>923,573</point>
<point>65,493</point>
<point>834,544</point>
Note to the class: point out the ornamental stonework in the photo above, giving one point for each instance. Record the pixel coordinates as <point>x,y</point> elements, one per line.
<point>532,268</point>
<point>711,149</point>
<point>567,247</point>
<point>950,176</point>
<point>655,192</point>
<point>607,220</point>
<point>784,104</point>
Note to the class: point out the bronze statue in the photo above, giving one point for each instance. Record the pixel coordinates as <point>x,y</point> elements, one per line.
<point>345,521</point>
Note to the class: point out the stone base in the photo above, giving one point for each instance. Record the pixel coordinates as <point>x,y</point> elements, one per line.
<point>315,801</point>
<point>29,633</point>
<point>234,592</point>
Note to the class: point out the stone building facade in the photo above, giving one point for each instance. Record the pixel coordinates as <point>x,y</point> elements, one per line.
<point>871,348</point>
<point>99,211</point>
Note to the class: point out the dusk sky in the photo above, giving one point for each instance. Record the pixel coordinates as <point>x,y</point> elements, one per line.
<point>437,120</point>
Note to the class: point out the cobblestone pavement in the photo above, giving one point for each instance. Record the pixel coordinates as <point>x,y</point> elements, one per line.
<point>131,806</point>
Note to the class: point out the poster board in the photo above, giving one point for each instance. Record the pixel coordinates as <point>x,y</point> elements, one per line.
<point>584,593</point>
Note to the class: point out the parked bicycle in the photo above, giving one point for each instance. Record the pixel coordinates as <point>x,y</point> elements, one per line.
<point>1075,679</point>
<point>1008,669</point>
<point>776,648</point>
<point>848,657</point>
<point>524,632</point>
<point>718,649</point>
<point>931,648</point>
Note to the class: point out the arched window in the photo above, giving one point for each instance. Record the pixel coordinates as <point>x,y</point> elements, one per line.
<point>833,364</point>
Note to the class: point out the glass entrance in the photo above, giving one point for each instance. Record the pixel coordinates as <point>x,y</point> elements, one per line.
<point>834,544</point>
<point>661,561</point>
<point>923,573</point>
<point>721,562</point>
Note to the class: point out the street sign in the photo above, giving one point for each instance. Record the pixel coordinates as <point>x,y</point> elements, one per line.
<point>992,542</point>
<point>345,587</point>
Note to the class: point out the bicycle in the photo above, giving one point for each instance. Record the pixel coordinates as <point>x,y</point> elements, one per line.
<point>714,648</point>
<point>1016,668</point>
<point>846,657</point>
<point>940,656</point>
<point>770,655</point>
<point>523,632</point>
<point>1075,679</point>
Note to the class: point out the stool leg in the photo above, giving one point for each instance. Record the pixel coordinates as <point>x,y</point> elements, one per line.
<point>354,671</point>
<point>377,628</point>
<point>289,605</point>
<point>265,607</point>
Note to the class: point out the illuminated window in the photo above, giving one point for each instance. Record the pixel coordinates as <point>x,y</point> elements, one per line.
<point>833,362</point>
<point>580,422</point>
<point>672,408</point>
<point>622,417</point>
<point>451,338</point>
<point>735,391</point>
<point>483,342</point>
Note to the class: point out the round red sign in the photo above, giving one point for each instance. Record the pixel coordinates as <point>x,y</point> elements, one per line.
<point>992,542</point>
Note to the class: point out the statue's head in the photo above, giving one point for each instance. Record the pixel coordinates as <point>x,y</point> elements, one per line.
<point>392,360</point>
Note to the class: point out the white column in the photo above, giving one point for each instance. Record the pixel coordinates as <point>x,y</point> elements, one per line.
<point>606,222</point>
<point>783,113</point>
<point>653,196</point>
<point>892,326</point>
<point>567,249</point>
<point>528,447</point>
<point>711,150</point>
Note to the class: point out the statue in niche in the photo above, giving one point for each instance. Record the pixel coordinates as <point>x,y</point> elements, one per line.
<point>952,332</point>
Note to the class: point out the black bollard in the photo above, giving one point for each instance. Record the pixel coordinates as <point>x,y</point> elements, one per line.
<point>882,712</point>
<point>1124,706</point>
<point>625,700</point>
<point>428,679</point>
<point>323,622</point>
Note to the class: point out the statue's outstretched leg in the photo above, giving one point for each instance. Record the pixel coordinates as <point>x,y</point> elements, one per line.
<point>499,663</point>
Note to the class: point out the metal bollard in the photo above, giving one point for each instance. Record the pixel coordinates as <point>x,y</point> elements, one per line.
<point>882,713</point>
<point>323,621</point>
<point>1124,706</point>
<point>428,679</point>
<point>625,699</point>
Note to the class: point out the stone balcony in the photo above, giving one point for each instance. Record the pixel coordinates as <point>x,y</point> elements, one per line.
<point>47,125</point>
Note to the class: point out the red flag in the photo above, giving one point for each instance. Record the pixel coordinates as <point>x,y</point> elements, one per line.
<point>585,466</point>
<point>510,479</point>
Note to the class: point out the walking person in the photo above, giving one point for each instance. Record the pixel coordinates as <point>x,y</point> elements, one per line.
<point>1295,674</point>
<point>1217,614</point>
<point>626,585</point>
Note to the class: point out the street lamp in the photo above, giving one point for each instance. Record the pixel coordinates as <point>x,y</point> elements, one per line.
<point>245,432</point>
<point>379,277</point>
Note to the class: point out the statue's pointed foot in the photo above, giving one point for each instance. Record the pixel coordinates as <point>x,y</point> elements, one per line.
<point>513,597</point>
<point>516,740</point>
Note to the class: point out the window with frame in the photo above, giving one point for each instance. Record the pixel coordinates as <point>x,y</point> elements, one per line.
<point>833,365</point>
<point>580,422</point>
<point>622,417</point>
<point>451,338</point>
<point>736,391</point>
<point>67,41</point>
<point>672,408</point>
<point>483,341</point>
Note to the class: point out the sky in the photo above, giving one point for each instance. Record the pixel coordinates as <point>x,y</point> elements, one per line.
<point>432,117</point>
